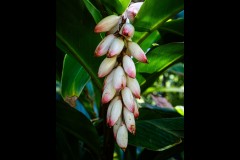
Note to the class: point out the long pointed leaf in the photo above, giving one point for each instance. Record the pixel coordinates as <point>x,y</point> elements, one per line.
<point>162,57</point>
<point>158,134</point>
<point>93,10</point>
<point>153,14</point>
<point>118,6</point>
<point>175,26</point>
<point>74,77</point>
<point>75,26</point>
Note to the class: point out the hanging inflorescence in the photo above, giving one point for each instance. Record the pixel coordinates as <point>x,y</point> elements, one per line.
<point>120,85</point>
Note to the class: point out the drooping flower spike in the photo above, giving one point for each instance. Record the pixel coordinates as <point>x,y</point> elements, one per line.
<point>120,86</point>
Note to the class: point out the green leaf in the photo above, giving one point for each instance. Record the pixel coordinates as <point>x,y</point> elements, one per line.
<point>77,124</point>
<point>75,35</point>
<point>180,110</point>
<point>154,13</point>
<point>62,146</point>
<point>148,42</point>
<point>141,80</point>
<point>177,68</point>
<point>175,26</point>
<point>74,77</point>
<point>163,155</point>
<point>148,114</point>
<point>162,57</point>
<point>118,6</point>
<point>93,10</point>
<point>158,134</point>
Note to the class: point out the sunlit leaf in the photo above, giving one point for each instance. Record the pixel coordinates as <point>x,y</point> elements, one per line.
<point>148,42</point>
<point>154,13</point>
<point>180,110</point>
<point>162,57</point>
<point>175,26</point>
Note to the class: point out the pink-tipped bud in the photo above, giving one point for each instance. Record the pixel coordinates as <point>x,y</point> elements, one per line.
<point>137,52</point>
<point>136,112</point>
<point>129,66</point>
<point>116,47</point>
<point>122,137</point>
<point>129,120</point>
<point>108,93</point>
<point>115,112</point>
<point>127,30</point>
<point>106,23</point>
<point>104,45</point>
<point>133,10</point>
<point>106,66</point>
<point>108,78</point>
<point>133,85</point>
<point>110,108</point>
<point>128,99</point>
<point>116,126</point>
<point>119,79</point>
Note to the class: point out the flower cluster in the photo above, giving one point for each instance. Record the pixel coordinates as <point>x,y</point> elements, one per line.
<point>120,85</point>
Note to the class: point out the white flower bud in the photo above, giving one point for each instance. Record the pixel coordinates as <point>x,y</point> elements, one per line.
<point>116,47</point>
<point>136,112</point>
<point>108,93</point>
<point>115,112</point>
<point>108,78</point>
<point>110,108</point>
<point>122,137</point>
<point>129,66</point>
<point>119,79</point>
<point>133,85</point>
<point>133,10</point>
<point>137,52</point>
<point>107,23</point>
<point>104,45</point>
<point>128,99</point>
<point>127,30</point>
<point>116,126</point>
<point>129,120</point>
<point>106,66</point>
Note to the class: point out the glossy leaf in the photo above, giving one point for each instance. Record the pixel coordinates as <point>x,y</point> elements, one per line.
<point>154,13</point>
<point>118,6</point>
<point>93,10</point>
<point>150,40</point>
<point>175,26</point>
<point>77,124</point>
<point>74,77</point>
<point>162,57</point>
<point>180,110</point>
<point>158,134</point>
<point>141,80</point>
<point>75,36</point>
<point>177,68</point>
